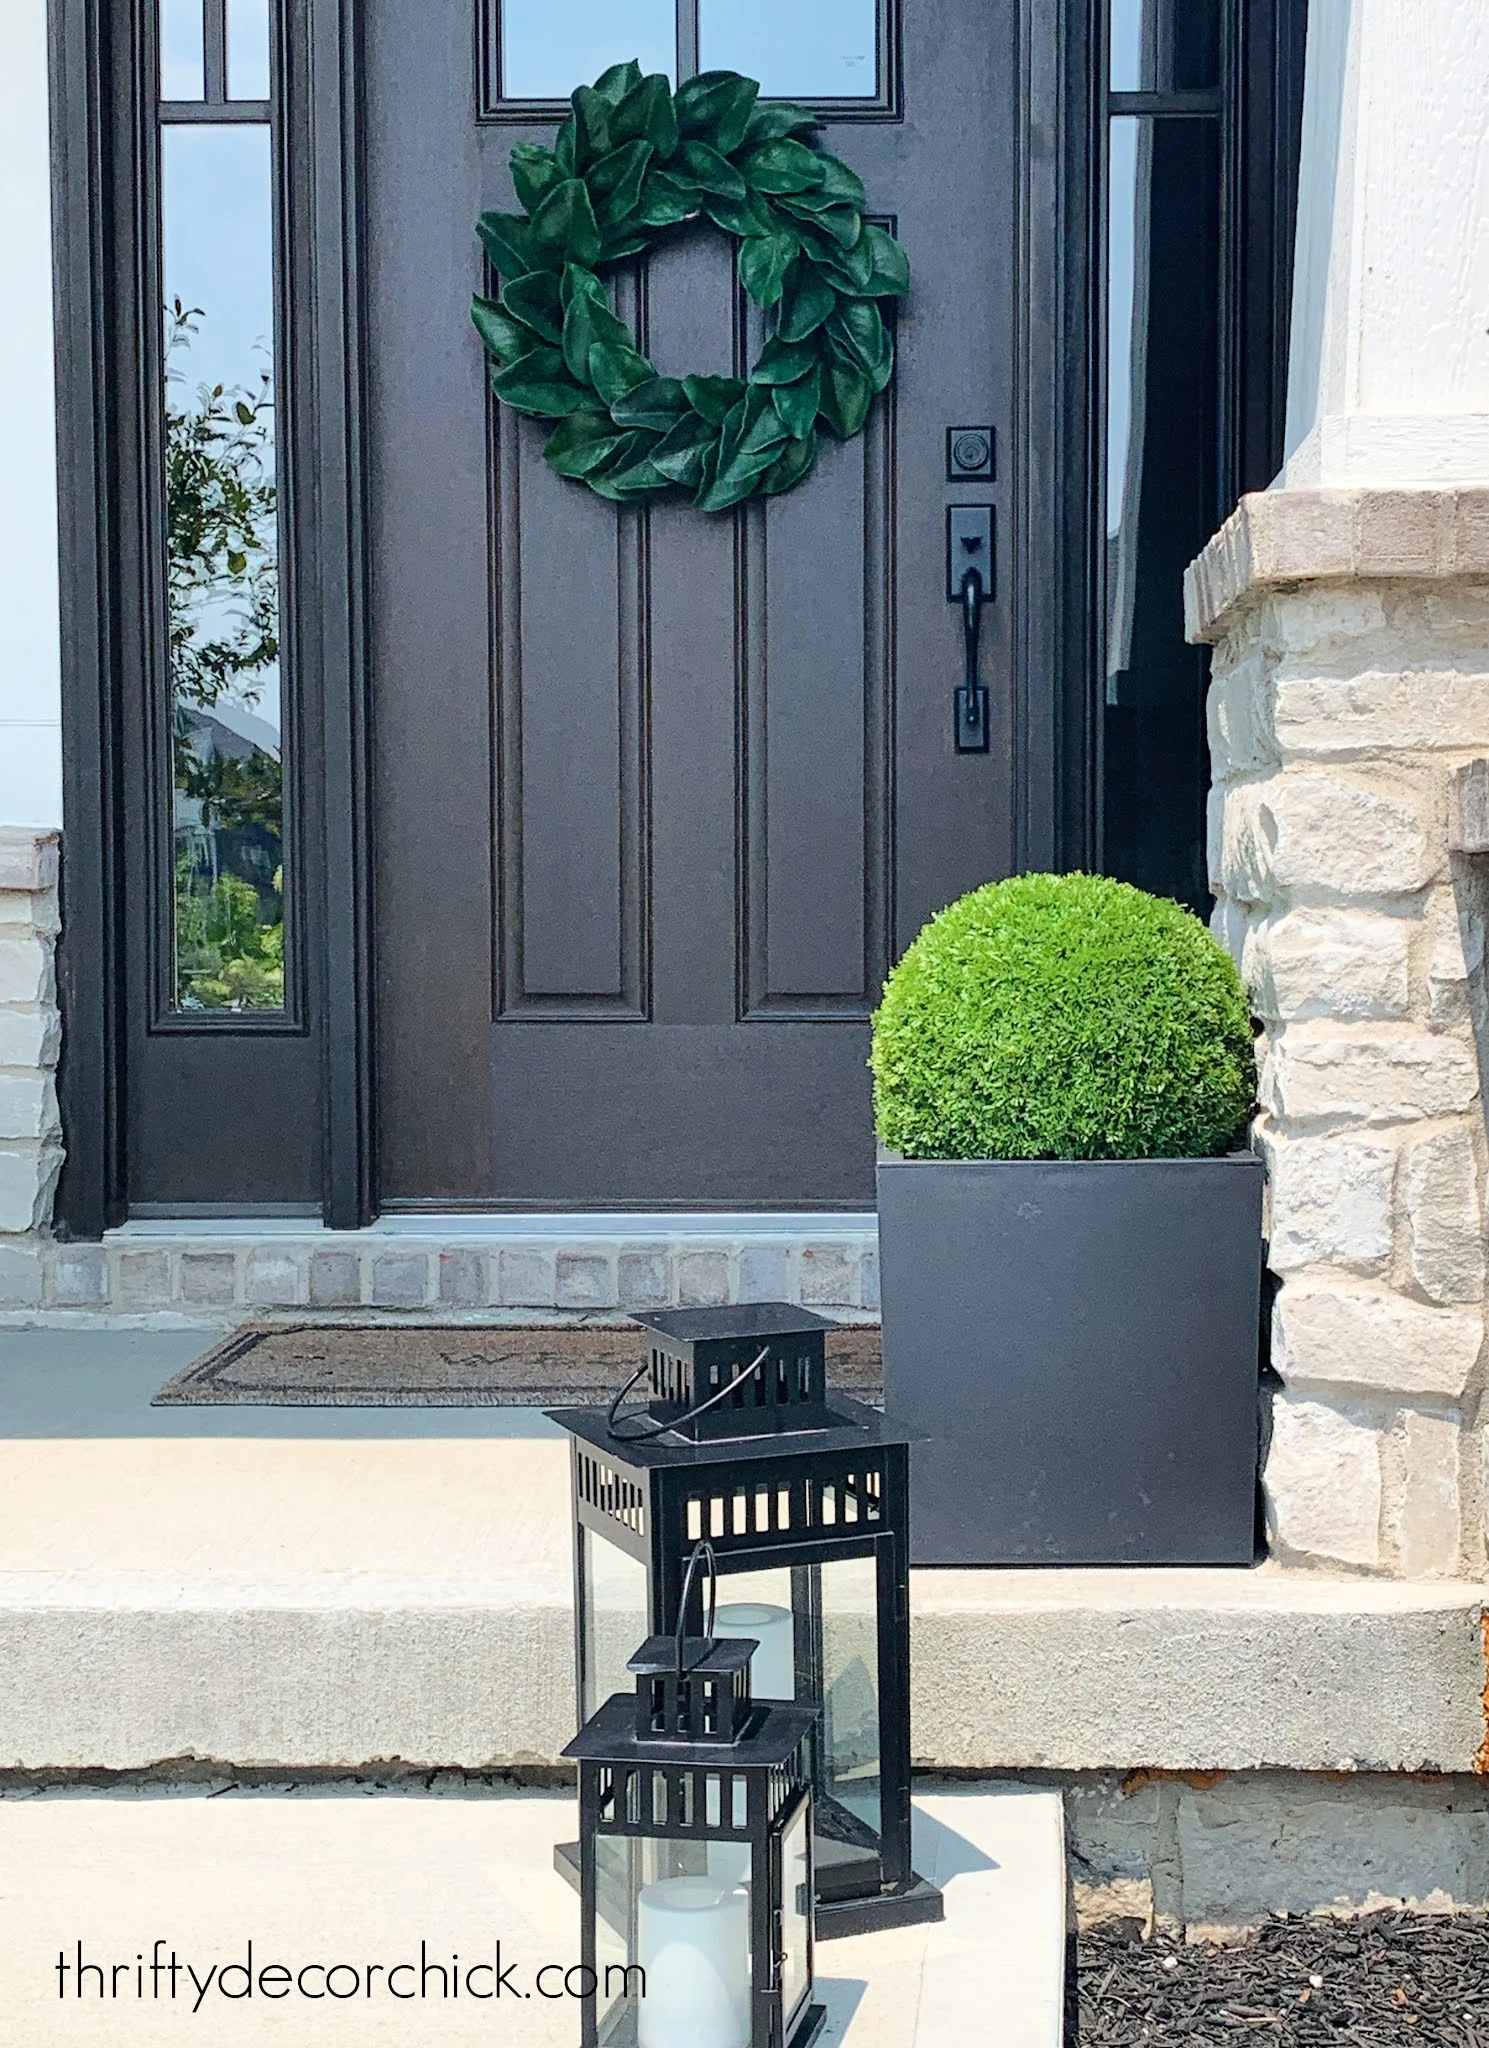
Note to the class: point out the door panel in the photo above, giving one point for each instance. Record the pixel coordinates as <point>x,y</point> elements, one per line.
<point>661,794</point>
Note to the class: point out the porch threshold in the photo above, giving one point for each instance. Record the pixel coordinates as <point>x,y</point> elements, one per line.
<point>451,1267</point>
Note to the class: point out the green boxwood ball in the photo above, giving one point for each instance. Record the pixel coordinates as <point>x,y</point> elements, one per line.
<point>1063,1017</point>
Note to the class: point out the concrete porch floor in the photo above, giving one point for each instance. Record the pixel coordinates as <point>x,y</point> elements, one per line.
<point>357,1877</point>
<point>292,1589</point>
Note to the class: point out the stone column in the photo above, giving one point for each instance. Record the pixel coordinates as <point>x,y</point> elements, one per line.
<point>1350,697</point>
<point>30,1036</point>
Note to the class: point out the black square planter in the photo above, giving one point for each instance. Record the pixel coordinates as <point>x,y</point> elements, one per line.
<point>1076,1345</point>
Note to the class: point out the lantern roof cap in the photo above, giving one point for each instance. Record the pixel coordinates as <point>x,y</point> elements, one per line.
<point>610,1737</point>
<point>739,1320</point>
<point>851,1426</point>
<point>702,1656</point>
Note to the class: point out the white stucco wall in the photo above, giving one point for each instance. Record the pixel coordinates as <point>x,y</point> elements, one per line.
<point>30,708</point>
<point>1389,379</point>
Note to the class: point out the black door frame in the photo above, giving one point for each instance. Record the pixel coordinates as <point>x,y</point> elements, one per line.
<point>1057,446</point>
<point>103,255</point>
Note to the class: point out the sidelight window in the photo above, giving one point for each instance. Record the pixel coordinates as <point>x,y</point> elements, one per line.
<point>1164,428</point>
<point>223,724</point>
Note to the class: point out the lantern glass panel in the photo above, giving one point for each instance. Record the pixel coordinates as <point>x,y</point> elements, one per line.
<point>760,1604</point>
<point>796,1918</point>
<point>823,1617</point>
<point>682,1977</point>
<point>850,1687</point>
<point>613,1593</point>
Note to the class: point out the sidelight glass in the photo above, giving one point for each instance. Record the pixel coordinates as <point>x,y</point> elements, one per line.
<point>183,63</point>
<point>1164,45</point>
<point>546,50</point>
<point>221,522</point>
<point>822,51</point>
<point>248,49</point>
<point>1162,487</point>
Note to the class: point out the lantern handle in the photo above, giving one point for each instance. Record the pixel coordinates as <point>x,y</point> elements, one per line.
<point>702,1549</point>
<point>650,1427</point>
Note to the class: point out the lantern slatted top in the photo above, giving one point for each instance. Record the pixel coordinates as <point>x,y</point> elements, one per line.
<point>703,1695</point>
<point>696,1353</point>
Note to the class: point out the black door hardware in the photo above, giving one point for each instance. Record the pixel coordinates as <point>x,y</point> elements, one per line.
<point>970,455</point>
<point>969,583</point>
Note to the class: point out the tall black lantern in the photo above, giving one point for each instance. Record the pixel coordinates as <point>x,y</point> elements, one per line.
<point>804,1497</point>
<point>696,1858</point>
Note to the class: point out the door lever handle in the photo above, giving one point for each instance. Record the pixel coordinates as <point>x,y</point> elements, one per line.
<point>969,584</point>
<point>972,697</point>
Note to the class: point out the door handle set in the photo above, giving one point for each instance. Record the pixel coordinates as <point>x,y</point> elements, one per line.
<point>970,584</point>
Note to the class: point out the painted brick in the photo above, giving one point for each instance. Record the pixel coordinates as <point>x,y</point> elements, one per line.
<point>144,1279</point>
<point>335,1279</point>
<point>829,1276</point>
<point>644,1281</point>
<point>208,1279</point>
<point>586,1280</point>
<point>462,1279</point>
<point>703,1279</point>
<point>79,1276</point>
<point>273,1279</point>
<point>526,1279</point>
<point>400,1279</point>
<point>765,1273</point>
<point>868,1280</point>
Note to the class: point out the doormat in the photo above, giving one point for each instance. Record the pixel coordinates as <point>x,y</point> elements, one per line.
<point>382,1365</point>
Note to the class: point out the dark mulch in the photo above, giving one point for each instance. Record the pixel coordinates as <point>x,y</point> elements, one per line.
<point>1384,1979</point>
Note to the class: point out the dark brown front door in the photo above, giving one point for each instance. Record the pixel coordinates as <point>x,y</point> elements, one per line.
<point>660,796</point>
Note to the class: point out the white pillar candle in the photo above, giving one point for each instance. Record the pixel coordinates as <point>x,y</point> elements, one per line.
<point>693,1942</point>
<point>773,1665</point>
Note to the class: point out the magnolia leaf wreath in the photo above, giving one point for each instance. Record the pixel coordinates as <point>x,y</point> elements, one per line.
<point>632,160</point>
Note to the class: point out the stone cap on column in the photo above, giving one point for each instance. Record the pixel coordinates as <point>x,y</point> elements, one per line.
<point>28,859</point>
<point>1286,537</point>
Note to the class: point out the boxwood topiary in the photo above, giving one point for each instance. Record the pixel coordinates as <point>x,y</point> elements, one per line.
<point>1063,1017</point>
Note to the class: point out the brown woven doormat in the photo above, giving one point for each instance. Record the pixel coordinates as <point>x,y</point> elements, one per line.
<point>382,1365</point>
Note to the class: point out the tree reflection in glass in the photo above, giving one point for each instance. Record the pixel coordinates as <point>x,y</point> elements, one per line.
<point>222,604</point>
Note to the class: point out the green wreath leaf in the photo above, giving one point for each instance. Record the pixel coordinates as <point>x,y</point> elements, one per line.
<point>632,160</point>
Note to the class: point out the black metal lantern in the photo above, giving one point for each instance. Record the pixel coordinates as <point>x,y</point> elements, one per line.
<point>696,1857</point>
<point>804,1497</point>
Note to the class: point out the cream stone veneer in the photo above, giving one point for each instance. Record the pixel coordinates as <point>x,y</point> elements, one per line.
<point>1350,695</point>
<point>30,1038</point>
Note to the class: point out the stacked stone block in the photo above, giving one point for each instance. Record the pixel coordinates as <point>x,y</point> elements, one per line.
<point>1350,697</point>
<point>30,1038</point>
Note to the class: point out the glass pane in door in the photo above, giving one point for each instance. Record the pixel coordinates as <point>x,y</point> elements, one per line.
<point>822,51</point>
<point>222,567</point>
<point>182,50</point>
<point>546,50</point>
<point>248,49</point>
